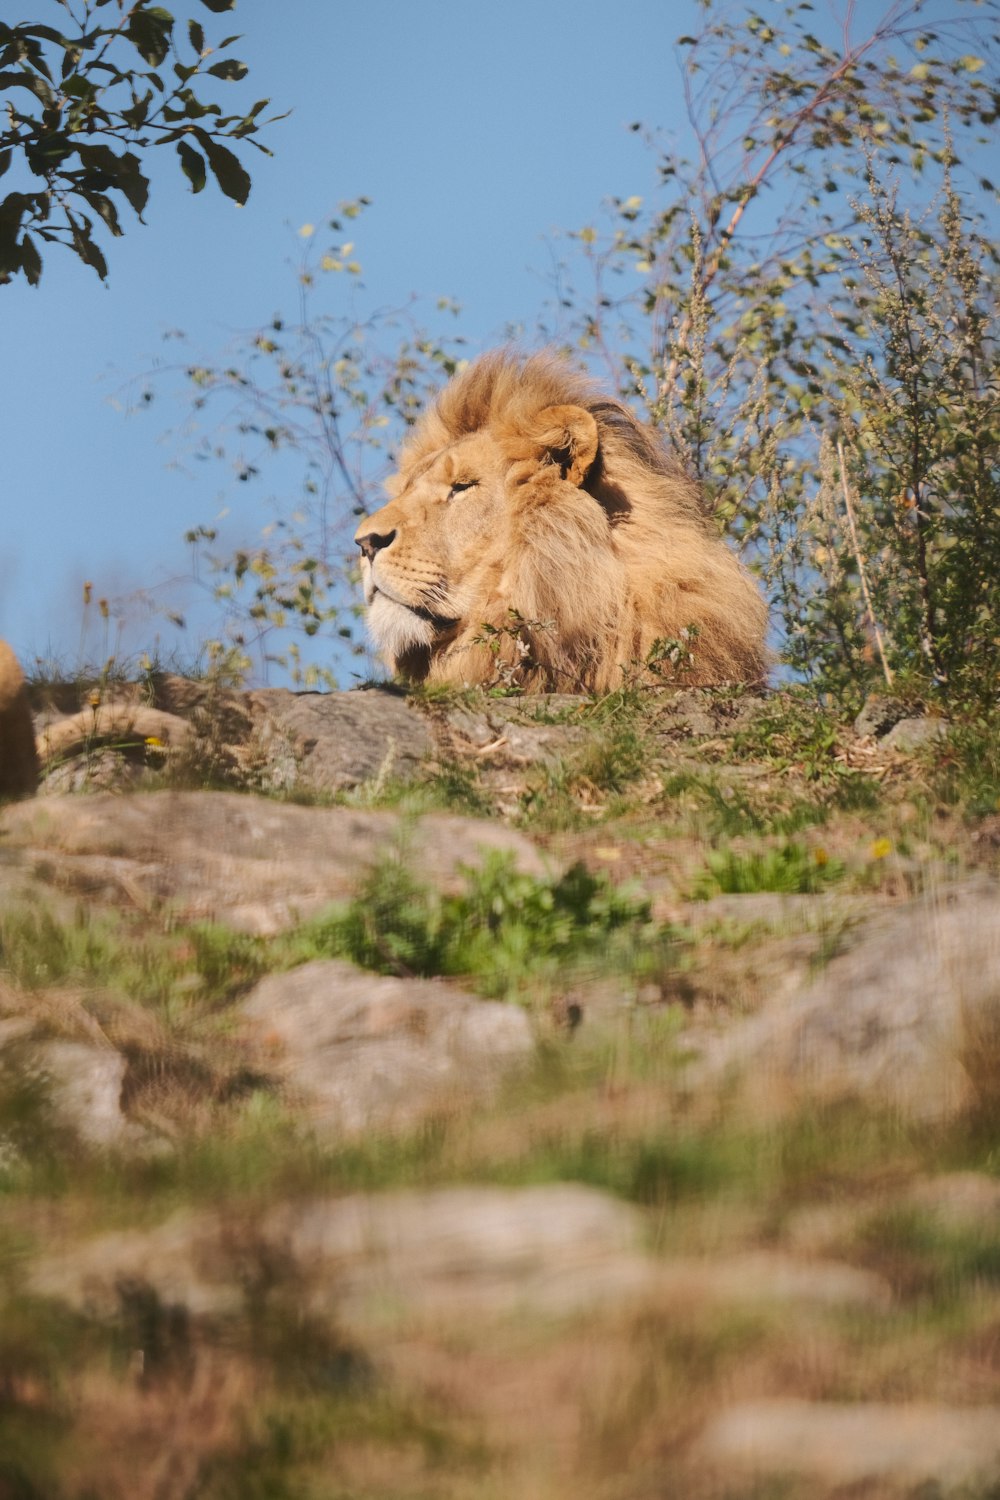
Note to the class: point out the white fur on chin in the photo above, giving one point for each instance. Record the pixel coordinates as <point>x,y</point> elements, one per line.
<point>396,629</point>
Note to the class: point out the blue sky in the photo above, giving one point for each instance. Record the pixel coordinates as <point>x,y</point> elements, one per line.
<point>478,131</point>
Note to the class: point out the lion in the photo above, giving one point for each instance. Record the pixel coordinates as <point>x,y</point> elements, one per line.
<point>539,535</point>
<point>18,759</point>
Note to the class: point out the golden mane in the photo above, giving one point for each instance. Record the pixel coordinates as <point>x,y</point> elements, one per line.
<point>582,551</point>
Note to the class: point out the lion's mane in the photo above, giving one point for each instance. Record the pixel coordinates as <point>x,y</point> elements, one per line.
<point>605,550</point>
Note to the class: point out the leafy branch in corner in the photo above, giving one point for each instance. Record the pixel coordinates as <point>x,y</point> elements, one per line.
<point>79,104</point>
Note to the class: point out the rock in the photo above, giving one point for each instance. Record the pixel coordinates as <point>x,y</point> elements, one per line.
<point>464,1252</point>
<point>909,1019</point>
<point>367,1053</point>
<point>879,714</point>
<point>84,1091</point>
<point>512,731</point>
<point>101,770</point>
<point>181,1261</point>
<point>912,734</point>
<point>334,741</point>
<point>959,1200</point>
<point>360,1260</point>
<point>444,1256</point>
<point>761,1276</point>
<point>18,759</point>
<point>912,1444</point>
<point>253,864</point>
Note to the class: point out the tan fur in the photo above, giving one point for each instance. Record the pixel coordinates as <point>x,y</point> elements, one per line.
<point>569,546</point>
<point>18,761</point>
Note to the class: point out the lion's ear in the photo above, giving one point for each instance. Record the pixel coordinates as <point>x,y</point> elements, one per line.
<point>563,435</point>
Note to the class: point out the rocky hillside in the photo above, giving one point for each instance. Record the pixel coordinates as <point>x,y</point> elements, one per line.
<point>465,1096</point>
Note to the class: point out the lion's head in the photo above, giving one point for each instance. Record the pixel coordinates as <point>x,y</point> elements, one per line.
<point>538,532</point>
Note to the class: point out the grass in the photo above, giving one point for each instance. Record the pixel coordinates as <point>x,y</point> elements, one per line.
<point>506,935</point>
<point>299,1400</point>
<point>789,868</point>
<point>277,1399</point>
<point>300,1407</point>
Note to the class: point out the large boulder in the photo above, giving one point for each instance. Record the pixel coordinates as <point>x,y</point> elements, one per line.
<point>367,1053</point>
<point>332,742</point>
<point>908,1019</point>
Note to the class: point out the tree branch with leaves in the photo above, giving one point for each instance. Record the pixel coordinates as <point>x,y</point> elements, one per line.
<point>81,102</point>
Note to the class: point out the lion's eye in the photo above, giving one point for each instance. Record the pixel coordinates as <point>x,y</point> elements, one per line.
<point>460,485</point>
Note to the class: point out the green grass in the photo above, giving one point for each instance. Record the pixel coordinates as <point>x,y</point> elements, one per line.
<point>789,868</point>
<point>503,934</point>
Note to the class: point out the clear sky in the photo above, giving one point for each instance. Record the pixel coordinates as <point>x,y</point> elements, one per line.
<point>479,131</point>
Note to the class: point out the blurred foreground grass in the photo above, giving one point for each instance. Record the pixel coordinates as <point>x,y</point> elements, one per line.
<point>269,1402</point>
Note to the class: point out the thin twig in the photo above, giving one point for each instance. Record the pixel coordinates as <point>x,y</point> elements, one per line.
<point>861,567</point>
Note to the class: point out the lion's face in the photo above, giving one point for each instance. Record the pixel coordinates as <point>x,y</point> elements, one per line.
<point>423,553</point>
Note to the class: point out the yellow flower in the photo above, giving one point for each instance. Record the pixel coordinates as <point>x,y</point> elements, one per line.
<point>154,741</point>
<point>821,857</point>
<point>881,848</point>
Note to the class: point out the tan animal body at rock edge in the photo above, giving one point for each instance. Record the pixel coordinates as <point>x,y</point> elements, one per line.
<point>538,533</point>
<point>18,758</point>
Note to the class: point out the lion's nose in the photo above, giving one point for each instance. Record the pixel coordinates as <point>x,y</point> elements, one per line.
<point>372,542</point>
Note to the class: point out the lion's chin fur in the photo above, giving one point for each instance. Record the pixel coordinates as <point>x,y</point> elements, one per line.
<point>395,629</point>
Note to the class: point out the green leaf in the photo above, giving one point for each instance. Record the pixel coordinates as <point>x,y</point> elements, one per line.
<point>12,211</point>
<point>230,68</point>
<point>124,173</point>
<point>136,116</point>
<point>192,165</point>
<point>218,6</point>
<point>85,247</point>
<point>29,81</point>
<point>196,36</point>
<point>972,64</point>
<point>231,175</point>
<point>76,86</point>
<point>5,161</point>
<point>104,206</point>
<point>31,261</point>
<point>47,33</point>
<point>149,32</point>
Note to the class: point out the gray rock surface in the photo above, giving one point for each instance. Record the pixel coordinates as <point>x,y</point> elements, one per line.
<point>464,1251</point>
<point>365,1258</point>
<point>84,1091</point>
<point>440,1257</point>
<point>908,1019</point>
<point>765,1276</point>
<point>364,1052</point>
<point>335,741</point>
<point>879,714</point>
<point>181,1260</point>
<point>913,733</point>
<point>913,1444</point>
<point>254,864</point>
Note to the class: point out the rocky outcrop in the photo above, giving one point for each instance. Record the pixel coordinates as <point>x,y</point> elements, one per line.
<point>907,1020</point>
<point>364,1053</point>
<point>249,862</point>
<point>918,1444</point>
